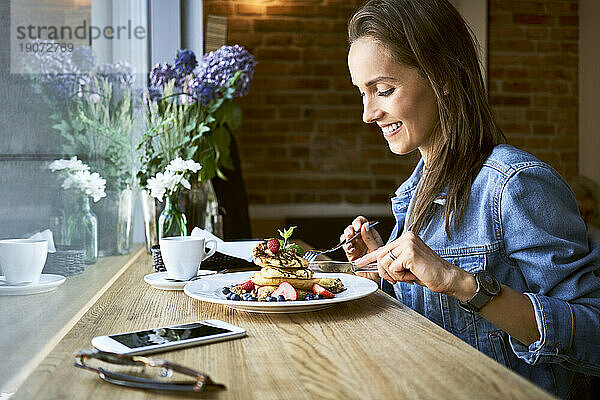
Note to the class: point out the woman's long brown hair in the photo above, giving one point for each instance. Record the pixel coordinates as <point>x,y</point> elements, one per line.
<point>430,35</point>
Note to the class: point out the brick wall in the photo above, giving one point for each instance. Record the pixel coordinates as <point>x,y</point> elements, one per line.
<point>533,77</point>
<point>302,139</point>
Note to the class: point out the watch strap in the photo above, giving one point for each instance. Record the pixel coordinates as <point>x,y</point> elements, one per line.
<point>477,302</point>
<point>480,298</point>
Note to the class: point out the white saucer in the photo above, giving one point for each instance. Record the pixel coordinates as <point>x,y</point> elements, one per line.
<point>46,283</point>
<point>158,280</point>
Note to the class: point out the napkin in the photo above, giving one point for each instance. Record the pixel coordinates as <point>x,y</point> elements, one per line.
<point>240,249</point>
<point>45,235</point>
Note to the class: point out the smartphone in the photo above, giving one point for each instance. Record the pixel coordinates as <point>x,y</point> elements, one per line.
<point>168,338</point>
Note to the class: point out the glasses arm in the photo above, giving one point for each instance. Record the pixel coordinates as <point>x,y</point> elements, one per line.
<point>201,380</point>
<point>143,383</point>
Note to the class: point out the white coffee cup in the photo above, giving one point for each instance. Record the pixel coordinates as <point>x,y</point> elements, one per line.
<point>183,255</point>
<point>22,260</point>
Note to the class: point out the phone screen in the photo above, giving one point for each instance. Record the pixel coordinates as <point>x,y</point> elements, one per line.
<point>152,337</point>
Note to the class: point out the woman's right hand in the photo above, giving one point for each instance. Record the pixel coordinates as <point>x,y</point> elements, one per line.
<point>368,240</point>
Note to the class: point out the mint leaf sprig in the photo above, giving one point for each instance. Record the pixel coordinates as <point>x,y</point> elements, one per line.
<point>286,234</point>
<point>285,244</point>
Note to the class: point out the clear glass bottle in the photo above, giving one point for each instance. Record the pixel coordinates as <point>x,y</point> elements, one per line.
<point>58,227</point>
<point>82,231</point>
<point>213,221</point>
<point>149,210</point>
<point>172,221</point>
<point>124,220</point>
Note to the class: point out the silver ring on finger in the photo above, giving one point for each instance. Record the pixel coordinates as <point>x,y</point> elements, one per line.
<point>391,255</point>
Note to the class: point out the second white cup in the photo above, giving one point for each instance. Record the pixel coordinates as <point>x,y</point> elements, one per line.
<point>183,255</point>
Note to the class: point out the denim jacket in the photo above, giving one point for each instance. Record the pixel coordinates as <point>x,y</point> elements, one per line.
<point>522,224</point>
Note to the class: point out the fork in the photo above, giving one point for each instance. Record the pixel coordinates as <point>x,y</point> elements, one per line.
<point>311,255</point>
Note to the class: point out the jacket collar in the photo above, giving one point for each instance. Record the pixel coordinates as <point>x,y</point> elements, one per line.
<point>409,186</point>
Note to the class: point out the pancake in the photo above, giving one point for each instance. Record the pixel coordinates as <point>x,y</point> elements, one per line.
<point>334,285</point>
<point>271,272</point>
<point>287,259</point>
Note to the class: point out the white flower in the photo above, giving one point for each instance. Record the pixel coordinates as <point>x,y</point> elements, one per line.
<point>91,184</point>
<point>162,182</point>
<point>72,165</point>
<point>177,165</point>
<point>68,183</point>
<point>181,165</point>
<point>156,187</point>
<point>185,183</point>
<point>168,182</point>
<point>78,177</point>
<point>193,166</point>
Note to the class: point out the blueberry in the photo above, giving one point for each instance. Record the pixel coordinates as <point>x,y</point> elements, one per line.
<point>235,297</point>
<point>309,296</point>
<point>252,298</point>
<point>318,297</point>
<point>228,296</point>
<point>271,298</point>
<point>226,290</point>
<point>280,298</point>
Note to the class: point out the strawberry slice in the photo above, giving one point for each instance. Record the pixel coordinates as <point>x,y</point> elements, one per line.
<point>286,290</point>
<point>318,289</point>
<point>248,286</point>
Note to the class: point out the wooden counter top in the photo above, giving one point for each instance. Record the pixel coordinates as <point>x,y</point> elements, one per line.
<point>31,325</point>
<point>371,348</point>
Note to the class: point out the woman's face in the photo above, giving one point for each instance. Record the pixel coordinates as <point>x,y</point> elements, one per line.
<point>395,96</point>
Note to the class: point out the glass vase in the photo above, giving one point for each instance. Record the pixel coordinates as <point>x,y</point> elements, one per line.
<point>114,213</point>
<point>172,221</point>
<point>82,231</point>
<point>202,208</point>
<point>150,212</point>
<point>124,219</point>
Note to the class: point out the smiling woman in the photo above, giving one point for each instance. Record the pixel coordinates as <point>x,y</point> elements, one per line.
<point>447,86</point>
<point>471,250</point>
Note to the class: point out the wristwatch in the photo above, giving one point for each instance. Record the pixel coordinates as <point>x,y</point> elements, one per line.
<point>487,288</point>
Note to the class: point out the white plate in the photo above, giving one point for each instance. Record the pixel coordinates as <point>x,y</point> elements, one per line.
<point>209,289</point>
<point>158,280</point>
<point>46,283</point>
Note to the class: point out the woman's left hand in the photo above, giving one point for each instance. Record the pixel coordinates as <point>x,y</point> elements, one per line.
<point>409,259</point>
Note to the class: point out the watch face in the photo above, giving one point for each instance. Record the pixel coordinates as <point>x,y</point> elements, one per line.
<point>489,283</point>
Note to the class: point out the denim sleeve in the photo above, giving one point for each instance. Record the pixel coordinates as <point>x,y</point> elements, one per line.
<point>546,239</point>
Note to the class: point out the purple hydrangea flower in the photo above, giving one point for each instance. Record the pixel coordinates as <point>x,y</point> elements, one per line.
<point>64,86</point>
<point>84,58</point>
<point>47,63</point>
<point>63,74</point>
<point>202,91</point>
<point>185,62</point>
<point>120,73</point>
<point>160,75</point>
<point>66,83</point>
<point>220,66</point>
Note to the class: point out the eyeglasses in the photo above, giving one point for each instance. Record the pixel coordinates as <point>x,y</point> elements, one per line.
<point>142,372</point>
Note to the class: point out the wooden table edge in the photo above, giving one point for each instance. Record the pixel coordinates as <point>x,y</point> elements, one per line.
<point>33,363</point>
